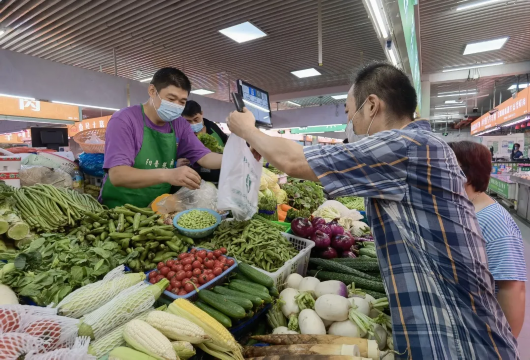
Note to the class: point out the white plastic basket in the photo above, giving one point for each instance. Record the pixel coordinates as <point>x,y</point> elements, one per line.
<point>298,264</point>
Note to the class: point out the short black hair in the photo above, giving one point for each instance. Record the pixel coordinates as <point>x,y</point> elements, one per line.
<point>390,84</point>
<point>170,76</point>
<point>192,108</point>
<point>517,144</point>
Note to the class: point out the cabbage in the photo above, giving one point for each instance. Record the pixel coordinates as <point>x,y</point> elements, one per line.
<point>359,229</point>
<point>281,197</point>
<point>329,213</point>
<point>262,183</point>
<point>268,193</point>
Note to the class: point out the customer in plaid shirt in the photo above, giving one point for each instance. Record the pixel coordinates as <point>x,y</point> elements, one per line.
<point>430,249</point>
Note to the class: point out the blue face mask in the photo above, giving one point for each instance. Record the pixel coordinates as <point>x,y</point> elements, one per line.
<point>196,127</point>
<point>168,111</point>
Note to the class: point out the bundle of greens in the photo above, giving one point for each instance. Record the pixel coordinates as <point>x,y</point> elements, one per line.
<point>53,265</point>
<point>306,195</point>
<point>267,206</point>
<point>293,214</point>
<point>210,142</point>
<point>352,202</point>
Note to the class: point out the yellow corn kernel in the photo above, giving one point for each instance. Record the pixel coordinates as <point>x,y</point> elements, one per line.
<point>176,328</point>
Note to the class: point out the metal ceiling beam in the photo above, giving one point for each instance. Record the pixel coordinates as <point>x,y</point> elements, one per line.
<point>494,71</point>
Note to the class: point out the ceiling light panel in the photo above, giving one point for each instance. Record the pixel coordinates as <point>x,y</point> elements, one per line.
<point>202,92</point>
<point>484,46</point>
<point>475,4</point>
<point>146,79</point>
<point>473,67</point>
<point>293,103</point>
<point>458,94</point>
<point>453,102</point>
<point>243,32</point>
<point>305,73</point>
<point>339,97</point>
<point>521,86</point>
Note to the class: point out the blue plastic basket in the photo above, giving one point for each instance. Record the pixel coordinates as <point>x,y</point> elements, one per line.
<point>168,296</point>
<point>199,233</point>
<point>243,328</point>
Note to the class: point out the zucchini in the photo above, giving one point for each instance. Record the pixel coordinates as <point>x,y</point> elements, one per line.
<point>338,268</point>
<point>256,300</point>
<point>220,303</point>
<point>244,303</point>
<point>217,315</point>
<point>242,287</point>
<point>348,279</point>
<point>368,252</point>
<point>258,287</point>
<point>255,275</point>
<point>360,264</point>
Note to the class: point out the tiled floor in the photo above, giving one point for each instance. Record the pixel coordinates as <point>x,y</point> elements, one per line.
<point>524,336</point>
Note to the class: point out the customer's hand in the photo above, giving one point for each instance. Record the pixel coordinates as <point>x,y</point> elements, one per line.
<point>183,176</point>
<point>183,162</point>
<point>241,123</point>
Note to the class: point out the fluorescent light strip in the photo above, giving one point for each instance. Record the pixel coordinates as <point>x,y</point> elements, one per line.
<point>476,4</point>
<point>147,79</point>
<point>86,106</point>
<point>255,106</point>
<point>484,46</point>
<point>378,13</point>
<point>516,122</point>
<point>293,103</point>
<point>488,131</point>
<point>521,86</point>
<point>340,97</point>
<point>453,102</point>
<point>17,97</point>
<point>449,107</point>
<point>459,94</point>
<point>202,92</point>
<point>473,67</point>
<point>305,73</point>
<point>392,57</point>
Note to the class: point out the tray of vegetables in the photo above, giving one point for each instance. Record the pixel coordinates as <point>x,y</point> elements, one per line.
<point>196,269</point>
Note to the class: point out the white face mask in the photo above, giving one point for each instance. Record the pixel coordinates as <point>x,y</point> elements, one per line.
<point>350,133</point>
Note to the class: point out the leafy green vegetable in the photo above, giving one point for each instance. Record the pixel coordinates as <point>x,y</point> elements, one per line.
<point>293,214</point>
<point>306,195</point>
<point>267,206</point>
<point>210,142</point>
<point>352,202</point>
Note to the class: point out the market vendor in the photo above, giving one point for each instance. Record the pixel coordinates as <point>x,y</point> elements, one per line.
<point>429,246</point>
<point>516,153</point>
<point>141,145</point>
<point>200,125</point>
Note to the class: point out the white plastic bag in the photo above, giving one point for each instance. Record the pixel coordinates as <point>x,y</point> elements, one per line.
<point>239,181</point>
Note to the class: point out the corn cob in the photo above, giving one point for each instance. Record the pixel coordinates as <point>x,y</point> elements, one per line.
<point>222,340</point>
<point>145,338</point>
<point>183,349</point>
<point>125,353</point>
<point>124,307</point>
<point>91,297</point>
<point>176,328</point>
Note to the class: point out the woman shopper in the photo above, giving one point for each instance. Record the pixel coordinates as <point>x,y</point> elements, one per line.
<point>504,244</point>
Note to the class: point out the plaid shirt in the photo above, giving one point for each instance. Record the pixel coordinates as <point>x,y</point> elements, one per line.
<point>429,245</point>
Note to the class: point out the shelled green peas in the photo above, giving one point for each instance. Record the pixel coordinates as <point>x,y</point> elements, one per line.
<point>196,219</point>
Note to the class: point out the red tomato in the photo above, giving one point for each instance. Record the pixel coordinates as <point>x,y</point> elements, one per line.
<point>175,290</point>
<point>203,279</point>
<point>193,251</point>
<point>197,272</point>
<point>174,283</point>
<point>183,256</point>
<point>165,270</point>
<point>196,264</point>
<point>168,288</point>
<point>210,255</point>
<point>199,259</point>
<point>184,281</point>
<point>171,274</point>
<point>179,267</point>
<point>202,266</point>
<point>217,263</point>
<point>188,267</point>
<point>223,250</point>
<point>201,253</point>
<point>210,264</point>
<point>194,279</point>
<point>222,259</point>
<point>187,261</point>
<point>181,275</point>
<point>182,292</point>
<point>211,276</point>
<point>217,253</point>
<point>225,267</point>
<point>175,268</point>
<point>178,285</point>
<point>230,262</point>
<point>189,287</point>
<point>217,271</point>
<point>153,274</point>
<point>208,271</point>
<point>159,277</point>
<point>170,263</point>
<point>152,280</point>
<point>189,274</point>
<point>160,265</point>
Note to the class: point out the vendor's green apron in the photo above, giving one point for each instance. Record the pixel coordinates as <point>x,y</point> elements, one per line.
<point>158,151</point>
<point>219,141</point>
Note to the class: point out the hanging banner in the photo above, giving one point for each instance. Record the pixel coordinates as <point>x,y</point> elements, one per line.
<point>511,109</point>
<point>37,109</point>
<point>94,123</point>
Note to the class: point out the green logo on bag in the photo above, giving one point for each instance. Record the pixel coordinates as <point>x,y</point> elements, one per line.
<point>249,183</point>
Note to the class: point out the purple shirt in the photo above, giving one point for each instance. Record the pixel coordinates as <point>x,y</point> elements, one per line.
<point>125,132</point>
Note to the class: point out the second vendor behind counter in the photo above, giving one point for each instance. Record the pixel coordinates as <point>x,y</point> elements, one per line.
<point>199,125</point>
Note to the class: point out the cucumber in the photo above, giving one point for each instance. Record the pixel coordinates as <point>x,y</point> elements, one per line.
<point>360,264</point>
<point>368,252</point>
<point>274,292</point>
<point>220,303</point>
<point>348,279</point>
<point>242,287</point>
<point>338,268</point>
<point>375,294</point>
<point>258,287</point>
<point>255,275</point>
<point>256,300</point>
<point>217,315</point>
<point>244,303</point>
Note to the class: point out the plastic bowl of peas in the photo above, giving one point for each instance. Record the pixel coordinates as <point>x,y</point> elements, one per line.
<point>197,223</point>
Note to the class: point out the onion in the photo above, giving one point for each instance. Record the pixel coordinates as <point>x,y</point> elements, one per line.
<point>324,228</point>
<point>329,253</point>
<point>321,239</point>
<point>336,229</point>
<point>341,242</point>
<point>349,254</point>
<point>317,221</point>
<point>302,227</point>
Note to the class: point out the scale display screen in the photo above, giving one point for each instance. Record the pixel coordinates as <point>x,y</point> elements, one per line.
<point>257,101</point>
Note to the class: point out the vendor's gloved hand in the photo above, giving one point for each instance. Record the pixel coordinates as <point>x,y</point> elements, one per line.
<point>183,176</point>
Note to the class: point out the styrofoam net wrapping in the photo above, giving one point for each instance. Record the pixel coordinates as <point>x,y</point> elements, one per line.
<point>12,316</point>
<point>53,331</point>
<point>14,345</point>
<point>124,307</point>
<point>78,351</point>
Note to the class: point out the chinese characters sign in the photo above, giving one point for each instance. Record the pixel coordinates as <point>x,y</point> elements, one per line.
<point>37,109</point>
<point>94,123</point>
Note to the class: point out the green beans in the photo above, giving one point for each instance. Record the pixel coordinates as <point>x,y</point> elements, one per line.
<point>196,219</point>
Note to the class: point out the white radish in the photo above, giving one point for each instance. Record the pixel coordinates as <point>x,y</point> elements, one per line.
<point>369,298</point>
<point>293,280</point>
<point>289,297</point>
<point>360,304</point>
<point>332,307</point>
<point>283,330</point>
<point>327,323</point>
<point>345,328</point>
<point>310,323</point>
<point>387,355</point>
<point>309,285</point>
<point>374,313</point>
<point>7,296</point>
<point>380,336</point>
<point>331,287</point>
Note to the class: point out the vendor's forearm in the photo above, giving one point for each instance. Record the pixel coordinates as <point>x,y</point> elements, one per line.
<point>511,297</point>
<point>211,161</point>
<point>132,178</point>
<point>283,154</point>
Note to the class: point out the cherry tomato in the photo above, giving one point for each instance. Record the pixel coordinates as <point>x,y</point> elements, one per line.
<point>187,261</point>
<point>230,262</point>
<point>217,271</point>
<point>178,284</point>
<point>175,268</point>
<point>183,256</point>
<point>180,275</point>
<point>197,272</point>
<point>170,263</point>
<point>210,255</point>
<point>199,259</point>
<point>225,267</point>
<point>194,279</point>
<point>202,253</point>
<point>165,270</point>
<point>182,292</point>
<point>153,274</point>
<point>193,251</point>
<point>188,267</point>
<point>174,282</point>
<point>196,264</point>
<point>160,265</point>
<point>159,277</point>
<point>189,274</point>
<point>171,274</point>
<point>222,259</point>
<point>185,280</point>
<point>168,288</point>
<point>217,253</point>
<point>210,264</point>
<point>175,290</point>
<point>189,287</point>
<point>223,250</point>
<point>152,280</point>
<point>202,266</point>
<point>208,271</point>
<point>211,277</point>
<point>179,267</point>
<point>217,263</point>
<point>203,279</point>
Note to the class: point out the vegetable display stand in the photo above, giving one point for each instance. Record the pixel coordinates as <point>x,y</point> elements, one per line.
<point>285,225</point>
<point>298,264</point>
<point>243,328</point>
